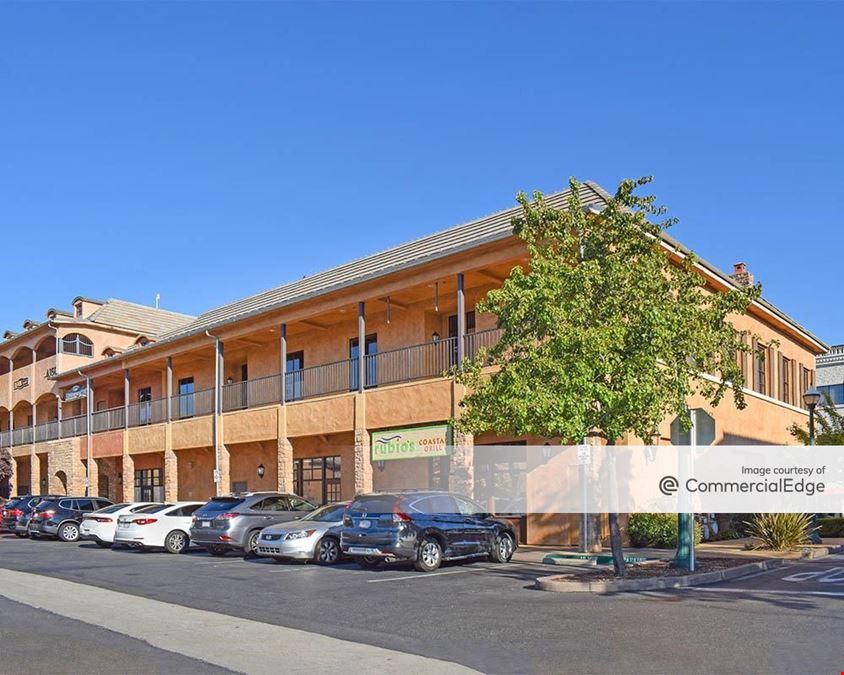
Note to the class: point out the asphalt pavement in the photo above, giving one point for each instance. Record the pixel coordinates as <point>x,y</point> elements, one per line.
<point>487,616</point>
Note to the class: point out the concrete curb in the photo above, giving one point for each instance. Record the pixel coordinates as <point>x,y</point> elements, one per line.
<point>554,585</point>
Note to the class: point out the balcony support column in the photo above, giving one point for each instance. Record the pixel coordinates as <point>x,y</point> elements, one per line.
<point>127,472</point>
<point>461,475</point>
<point>59,403</point>
<point>221,453</point>
<point>125,398</point>
<point>169,389</point>
<point>363,455</point>
<point>32,385</point>
<point>461,321</point>
<point>361,346</point>
<point>284,453</point>
<point>283,359</point>
<point>35,474</point>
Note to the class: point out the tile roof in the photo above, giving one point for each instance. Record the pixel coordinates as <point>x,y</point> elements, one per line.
<point>139,319</point>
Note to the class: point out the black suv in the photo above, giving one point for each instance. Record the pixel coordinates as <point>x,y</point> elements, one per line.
<point>60,516</point>
<point>425,527</point>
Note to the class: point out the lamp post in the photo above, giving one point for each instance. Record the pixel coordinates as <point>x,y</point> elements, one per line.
<point>811,399</point>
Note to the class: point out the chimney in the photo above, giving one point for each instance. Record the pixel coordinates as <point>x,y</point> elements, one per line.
<point>741,275</point>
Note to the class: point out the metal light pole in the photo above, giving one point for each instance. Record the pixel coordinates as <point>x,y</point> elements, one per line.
<point>811,398</point>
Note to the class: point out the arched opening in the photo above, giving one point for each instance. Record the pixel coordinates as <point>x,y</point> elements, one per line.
<point>46,348</point>
<point>22,358</point>
<point>76,343</point>
<point>46,408</point>
<point>59,483</point>
<point>5,365</point>
<point>22,414</point>
<point>4,419</point>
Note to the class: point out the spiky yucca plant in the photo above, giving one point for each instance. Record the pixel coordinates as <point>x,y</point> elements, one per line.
<point>778,531</point>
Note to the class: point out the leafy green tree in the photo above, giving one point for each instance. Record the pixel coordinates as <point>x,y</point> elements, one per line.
<point>829,429</point>
<point>603,334</point>
<point>5,465</point>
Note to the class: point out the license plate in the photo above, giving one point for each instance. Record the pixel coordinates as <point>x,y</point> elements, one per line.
<point>205,523</point>
<point>122,525</point>
<point>362,550</point>
<point>364,524</point>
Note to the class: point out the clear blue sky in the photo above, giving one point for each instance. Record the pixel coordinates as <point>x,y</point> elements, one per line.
<point>207,151</point>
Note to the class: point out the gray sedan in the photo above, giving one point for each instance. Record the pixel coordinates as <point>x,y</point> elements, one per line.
<point>315,537</point>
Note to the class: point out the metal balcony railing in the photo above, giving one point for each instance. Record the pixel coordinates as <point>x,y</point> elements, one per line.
<point>74,426</point>
<point>47,431</point>
<point>148,412</point>
<point>406,364</point>
<point>108,420</point>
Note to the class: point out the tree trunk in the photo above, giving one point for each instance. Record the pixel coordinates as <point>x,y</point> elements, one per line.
<point>593,538</point>
<point>615,529</point>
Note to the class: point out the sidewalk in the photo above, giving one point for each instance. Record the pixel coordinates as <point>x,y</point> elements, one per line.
<point>732,548</point>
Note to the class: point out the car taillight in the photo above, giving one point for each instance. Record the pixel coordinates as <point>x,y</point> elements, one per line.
<point>45,515</point>
<point>16,513</point>
<point>145,521</point>
<point>99,519</point>
<point>399,516</point>
<point>227,516</point>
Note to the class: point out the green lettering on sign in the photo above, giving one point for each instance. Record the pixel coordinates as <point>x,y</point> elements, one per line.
<point>412,443</point>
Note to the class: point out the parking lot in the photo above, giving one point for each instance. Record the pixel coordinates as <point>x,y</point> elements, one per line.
<point>483,615</point>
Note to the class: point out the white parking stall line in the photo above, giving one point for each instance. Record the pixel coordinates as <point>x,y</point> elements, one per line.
<point>762,591</point>
<point>426,575</point>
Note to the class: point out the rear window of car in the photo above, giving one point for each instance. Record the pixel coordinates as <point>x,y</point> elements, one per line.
<point>43,504</point>
<point>375,504</point>
<point>154,509</point>
<point>222,504</point>
<point>113,508</point>
<point>432,504</point>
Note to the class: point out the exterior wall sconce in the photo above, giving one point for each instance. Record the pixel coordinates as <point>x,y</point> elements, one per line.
<point>435,336</point>
<point>381,464</point>
<point>43,482</point>
<point>229,380</point>
<point>261,470</point>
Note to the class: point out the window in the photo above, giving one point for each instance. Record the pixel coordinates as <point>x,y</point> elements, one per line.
<point>272,504</point>
<point>834,391</point>
<point>317,478</point>
<point>77,310</point>
<point>184,511</point>
<point>468,508</point>
<point>144,409</point>
<point>76,343</point>
<point>298,504</point>
<point>294,376</point>
<point>807,380</point>
<point>501,478</point>
<point>759,375</point>
<point>148,485</point>
<point>240,486</point>
<point>785,380</point>
<point>186,398</point>
<point>370,364</point>
<point>436,504</point>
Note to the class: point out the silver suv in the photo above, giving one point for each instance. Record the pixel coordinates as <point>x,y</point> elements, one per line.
<point>233,522</point>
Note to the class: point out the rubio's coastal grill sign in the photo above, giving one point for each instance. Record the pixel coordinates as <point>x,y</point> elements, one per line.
<point>412,443</point>
<point>75,392</point>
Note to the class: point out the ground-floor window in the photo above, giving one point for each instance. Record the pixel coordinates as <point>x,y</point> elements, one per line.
<point>317,478</point>
<point>148,485</point>
<point>501,478</point>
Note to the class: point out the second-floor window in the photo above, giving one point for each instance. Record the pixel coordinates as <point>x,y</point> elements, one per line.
<point>785,393</point>
<point>186,397</point>
<point>75,343</point>
<point>759,375</point>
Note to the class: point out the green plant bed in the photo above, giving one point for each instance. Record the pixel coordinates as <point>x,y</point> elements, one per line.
<point>831,527</point>
<point>656,530</point>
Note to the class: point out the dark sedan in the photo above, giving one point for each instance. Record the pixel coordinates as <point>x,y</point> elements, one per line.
<point>425,527</point>
<point>16,513</point>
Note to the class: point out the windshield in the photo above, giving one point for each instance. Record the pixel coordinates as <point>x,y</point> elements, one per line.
<point>327,514</point>
<point>113,508</point>
<point>12,503</point>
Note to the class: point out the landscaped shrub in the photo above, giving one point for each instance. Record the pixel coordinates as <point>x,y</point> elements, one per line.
<point>778,531</point>
<point>655,530</point>
<point>831,527</point>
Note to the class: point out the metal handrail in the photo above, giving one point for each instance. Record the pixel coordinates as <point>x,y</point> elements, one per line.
<point>251,393</point>
<point>193,404</point>
<point>108,420</point>
<point>46,431</point>
<point>74,426</point>
<point>327,378</point>
<point>147,412</point>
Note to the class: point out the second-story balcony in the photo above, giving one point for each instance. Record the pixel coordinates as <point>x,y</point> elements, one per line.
<point>428,360</point>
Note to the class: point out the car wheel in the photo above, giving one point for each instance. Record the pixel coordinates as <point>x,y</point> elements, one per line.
<point>327,551</point>
<point>20,534</point>
<point>218,551</point>
<point>368,562</point>
<point>502,548</point>
<point>430,555</point>
<point>69,532</point>
<point>252,543</point>
<point>176,542</point>
<point>103,544</point>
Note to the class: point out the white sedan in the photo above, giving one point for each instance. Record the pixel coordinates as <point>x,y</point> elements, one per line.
<point>166,526</point>
<point>100,526</point>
